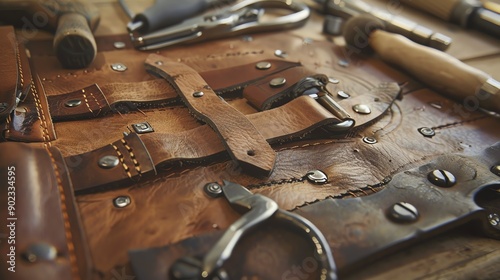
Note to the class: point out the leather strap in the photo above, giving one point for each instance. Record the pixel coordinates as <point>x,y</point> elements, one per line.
<point>9,71</point>
<point>44,219</point>
<point>295,120</point>
<point>97,100</point>
<point>242,140</point>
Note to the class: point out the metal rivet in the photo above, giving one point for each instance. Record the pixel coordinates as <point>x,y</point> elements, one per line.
<point>333,80</point>
<point>343,63</point>
<point>159,62</point>
<point>263,65</point>
<point>119,67</point>
<point>108,162</point>
<point>494,219</point>
<point>73,103</point>
<point>277,82</point>
<point>369,140</point>
<point>119,45</point>
<point>427,131</point>
<point>121,201</point>
<point>442,178</point>
<point>343,94</point>
<point>361,109</point>
<point>198,94</point>
<point>496,169</point>
<point>3,106</point>
<point>213,189</point>
<point>403,212</point>
<point>40,252</point>
<point>280,53</point>
<point>142,128</point>
<point>317,177</point>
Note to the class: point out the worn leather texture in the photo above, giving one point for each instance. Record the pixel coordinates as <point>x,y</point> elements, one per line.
<point>168,203</point>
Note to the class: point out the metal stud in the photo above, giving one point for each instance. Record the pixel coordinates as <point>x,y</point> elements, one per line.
<point>118,67</point>
<point>142,128</point>
<point>73,103</point>
<point>343,94</point>
<point>369,140</point>
<point>121,201</point>
<point>108,162</point>
<point>442,178</point>
<point>119,45</point>
<point>427,131</point>
<point>277,82</point>
<point>198,94</point>
<point>213,189</point>
<point>361,109</point>
<point>343,63</point>
<point>494,220</point>
<point>280,53</point>
<point>317,177</point>
<point>263,65</point>
<point>403,212</point>
<point>40,252</point>
<point>496,169</point>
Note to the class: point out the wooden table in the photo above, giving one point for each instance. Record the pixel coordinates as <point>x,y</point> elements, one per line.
<point>459,254</point>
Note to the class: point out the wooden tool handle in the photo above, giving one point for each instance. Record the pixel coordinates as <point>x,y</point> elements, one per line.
<point>74,42</point>
<point>435,68</point>
<point>442,9</point>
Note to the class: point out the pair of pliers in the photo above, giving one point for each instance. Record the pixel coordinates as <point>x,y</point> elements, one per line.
<point>259,209</point>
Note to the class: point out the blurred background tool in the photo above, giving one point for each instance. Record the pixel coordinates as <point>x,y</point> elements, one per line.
<point>242,18</point>
<point>166,13</point>
<point>438,70</point>
<point>71,21</point>
<point>417,33</point>
<point>466,13</point>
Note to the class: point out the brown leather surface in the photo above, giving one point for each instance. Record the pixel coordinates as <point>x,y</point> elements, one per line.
<point>43,214</point>
<point>9,70</point>
<point>173,206</point>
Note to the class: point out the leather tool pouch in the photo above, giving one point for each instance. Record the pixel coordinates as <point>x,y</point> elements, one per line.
<point>119,155</point>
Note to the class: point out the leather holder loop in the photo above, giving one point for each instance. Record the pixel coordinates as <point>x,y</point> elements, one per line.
<point>127,160</point>
<point>44,221</point>
<point>242,140</point>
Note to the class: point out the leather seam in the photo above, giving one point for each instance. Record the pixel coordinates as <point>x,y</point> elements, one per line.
<point>19,65</point>
<point>41,116</point>
<point>67,224</point>
<point>132,156</point>
<point>87,102</point>
<point>122,161</point>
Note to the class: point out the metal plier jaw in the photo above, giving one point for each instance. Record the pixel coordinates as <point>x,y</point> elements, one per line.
<point>259,209</point>
<point>244,17</point>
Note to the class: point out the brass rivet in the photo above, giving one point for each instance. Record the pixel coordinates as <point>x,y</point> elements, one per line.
<point>277,82</point>
<point>361,109</point>
<point>73,103</point>
<point>108,162</point>
<point>263,65</point>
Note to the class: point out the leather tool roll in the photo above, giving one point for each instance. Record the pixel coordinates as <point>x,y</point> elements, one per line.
<point>137,150</point>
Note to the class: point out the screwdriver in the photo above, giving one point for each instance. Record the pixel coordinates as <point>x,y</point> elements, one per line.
<point>466,13</point>
<point>167,13</point>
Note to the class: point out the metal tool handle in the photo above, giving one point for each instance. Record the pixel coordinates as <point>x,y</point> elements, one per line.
<point>439,70</point>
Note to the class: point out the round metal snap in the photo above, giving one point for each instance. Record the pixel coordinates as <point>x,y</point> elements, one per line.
<point>343,94</point>
<point>369,140</point>
<point>277,82</point>
<point>73,103</point>
<point>40,252</point>
<point>108,162</point>
<point>442,178</point>
<point>119,67</point>
<point>213,189</point>
<point>403,212</point>
<point>361,109</point>
<point>119,45</point>
<point>427,131</point>
<point>121,201</point>
<point>198,94</point>
<point>317,176</point>
<point>263,65</point>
